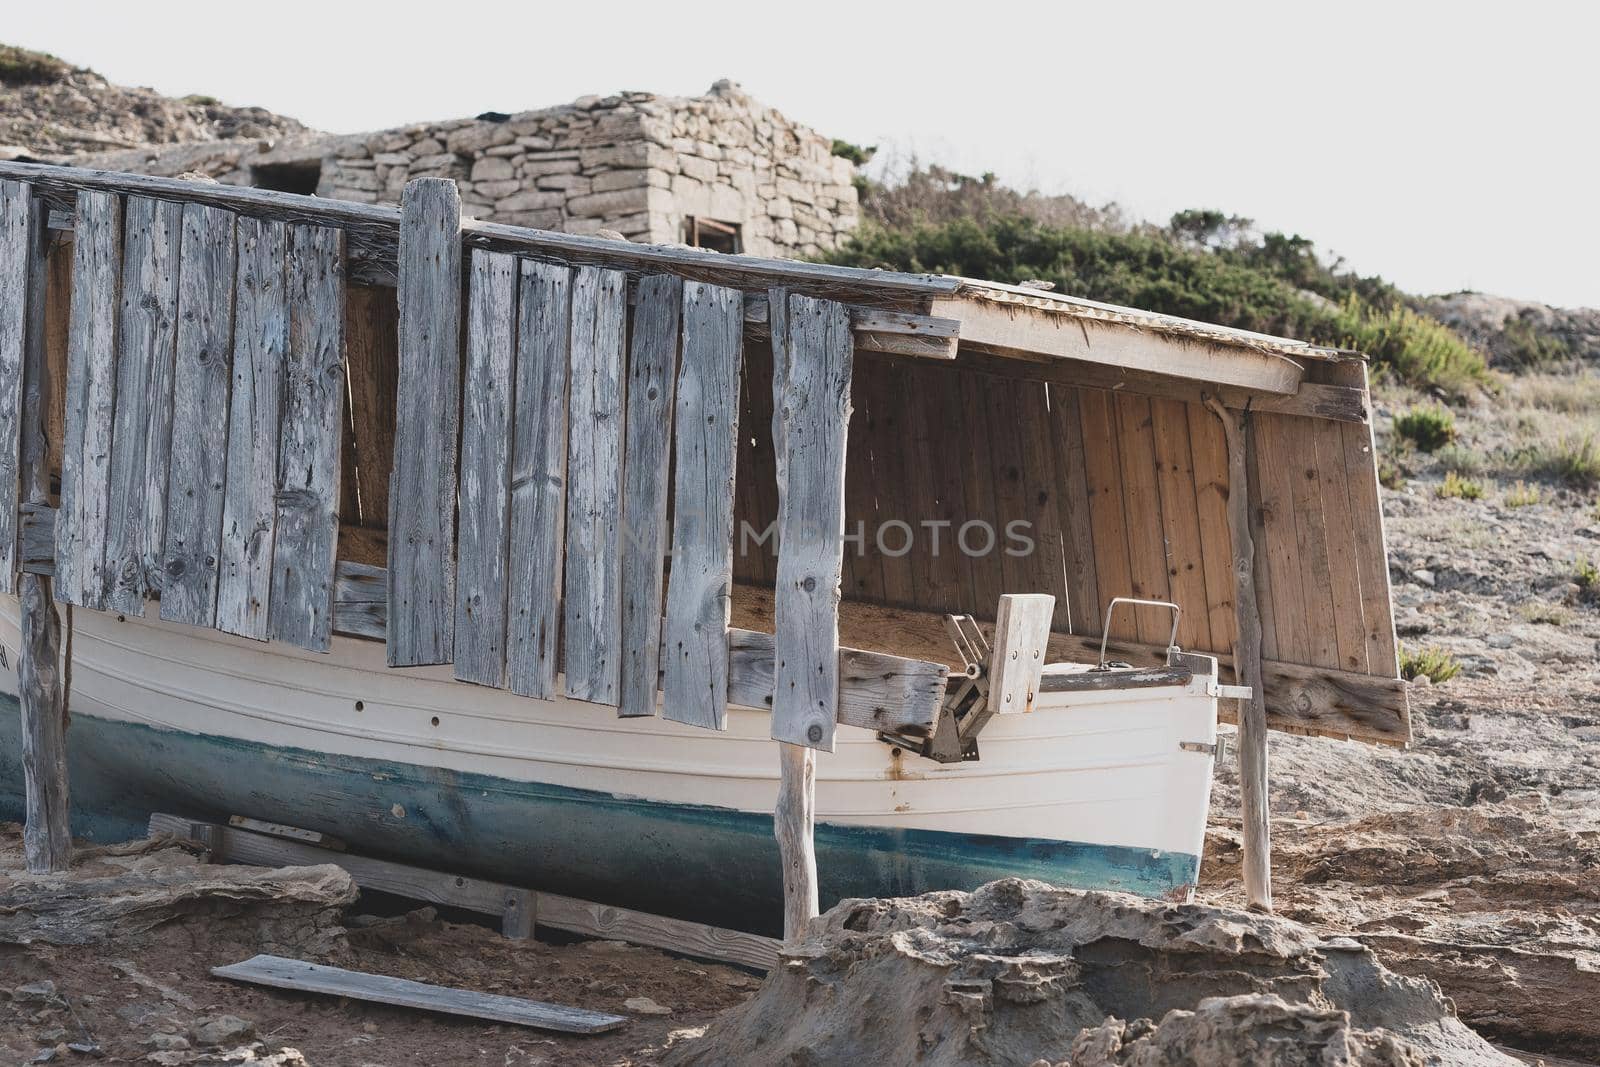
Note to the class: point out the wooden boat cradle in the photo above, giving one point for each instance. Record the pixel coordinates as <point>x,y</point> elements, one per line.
<point>287,418</point>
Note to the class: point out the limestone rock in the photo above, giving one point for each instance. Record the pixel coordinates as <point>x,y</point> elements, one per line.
<point>1020,971</point>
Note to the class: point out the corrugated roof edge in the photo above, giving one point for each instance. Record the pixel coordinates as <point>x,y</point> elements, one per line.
<point>1080,308</point>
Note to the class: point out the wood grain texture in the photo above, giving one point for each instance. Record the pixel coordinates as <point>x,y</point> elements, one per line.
<point>255,413</point>
<point>141,437</point>
<point>281,973</point>
<point>1209,451</point>
<point>1180,522</point>
<point>372,355</point>
<point>695,661</point>
<point>1274,509</point>
<point>1372,560</point>
<point>811,398</point>
<point>57,320</point>
<point>1257,872</point>
<point>1344,570</point>
<point>652,374</point>
<point>90,401</point>
<point>793,821</point>
<point>538,478</point>
<point>482,550</point>
<point>1021,636</point>
<point>1141,503</point>
<point>1103,468</point>
<point>422,492</point>
<point>203,366</point>
<point>592,621</point>
<point>301,610</point>
<point>1078,549</point>
<point>19,249</point>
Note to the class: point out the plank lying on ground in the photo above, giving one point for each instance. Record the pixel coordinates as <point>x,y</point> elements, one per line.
<point>488,898</point>
<point>283,973</point>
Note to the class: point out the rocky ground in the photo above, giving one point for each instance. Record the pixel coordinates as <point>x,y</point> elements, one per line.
<point>48,108</point>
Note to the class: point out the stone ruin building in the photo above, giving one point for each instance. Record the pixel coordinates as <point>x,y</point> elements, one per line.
<point>718,171</point>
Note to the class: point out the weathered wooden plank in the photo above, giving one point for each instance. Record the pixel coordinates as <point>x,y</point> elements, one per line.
<point>863,563</point>
<point>1141,503</point>
<point>938,572</point>
<point>695,660</point>
<point>41,692</point>
<point>1042,485</point>
<point>1103,681</point>
<point>1180,522</point>
<point>90,401</point>
<point>1021,636</point>
<point>592,625</point>
<point>1209,452</point>
<point>1253,800</point>
<point>976,537</point>
<point>422,493</point>
<point>793,820</point>
<point>1281,547</point>
<point>811,397</point>
<point>1299,458</point>
<point>1344,570</point>
<point>1019,572</point>
<point>371,347</point>
<point>19,247</point>
<point>1103,467</point>
<point>301,609</point>
<point>893,532</point>
<point>1372,560</point>
<point>482,554</point>
<point>538,478</point>
<point>1072,498</point>
<point>141,436</point>
<point>202,368</point>
<point>255,406</point>
<point>652,370</point>
<point>281,973</point>
<point>674,935</point>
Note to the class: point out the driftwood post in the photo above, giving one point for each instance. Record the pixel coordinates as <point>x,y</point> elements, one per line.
<point>47,838</point>
<point>1247,665</point>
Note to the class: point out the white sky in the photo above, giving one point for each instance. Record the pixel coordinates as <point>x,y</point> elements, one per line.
<point>1444,145</point>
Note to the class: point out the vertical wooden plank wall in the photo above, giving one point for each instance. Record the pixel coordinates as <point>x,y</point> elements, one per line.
<point>249,513</point>
<point>422,495</point>
<point>203,365</point>
<point>652,373</point>
<point>695,665</point>
<point>483,551</point>
<point>17,246</point>
<point>592,642</point>
<point>813,353</point>
<point>538,478</point>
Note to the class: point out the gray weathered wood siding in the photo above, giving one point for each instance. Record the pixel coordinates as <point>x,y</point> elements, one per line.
<point>592,635</point>
<point>695,671</point>
<point>486,422</point>
<point>16,251</point>
<point>811,404</point>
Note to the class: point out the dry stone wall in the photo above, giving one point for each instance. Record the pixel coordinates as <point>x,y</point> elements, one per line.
<point>635,163</point>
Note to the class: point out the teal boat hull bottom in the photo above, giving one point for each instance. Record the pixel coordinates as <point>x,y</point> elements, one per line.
<point>708,864</point>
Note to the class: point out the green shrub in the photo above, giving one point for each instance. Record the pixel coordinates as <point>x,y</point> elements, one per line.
<point>18,66</point>
<point>1549,614</point>
<point>1574,460</point>
<point>1391,475</point>
<point>1523,495</point>
<point>1586,576</point>
<point>1461,459</point>
<point>854,152</point>
<point>202,100</point>
<point>1437,664</point>
<point>1415,349</point>
<point>1455,487</point>
<point>1527,347</point>
<point>1429,428</point>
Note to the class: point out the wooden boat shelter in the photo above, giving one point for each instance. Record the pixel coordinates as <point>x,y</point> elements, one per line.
<point>613,471</point>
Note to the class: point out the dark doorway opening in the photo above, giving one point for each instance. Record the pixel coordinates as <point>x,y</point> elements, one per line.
<point>709,233</point>
<point>299,178</point>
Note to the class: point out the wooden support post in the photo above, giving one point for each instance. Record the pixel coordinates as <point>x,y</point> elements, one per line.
<point>1247,666</point>
<point>792,825</point>
<point>47,838</point>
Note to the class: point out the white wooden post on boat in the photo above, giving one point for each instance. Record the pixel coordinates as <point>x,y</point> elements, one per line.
<point>1247,668</point>
<point>1021,634</point>
<point>47,836</point>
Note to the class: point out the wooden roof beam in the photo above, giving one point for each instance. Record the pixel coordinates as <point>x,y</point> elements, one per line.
<point>1006,329</point>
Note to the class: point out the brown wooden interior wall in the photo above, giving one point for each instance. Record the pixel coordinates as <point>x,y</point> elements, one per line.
<point>1125,495</point>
